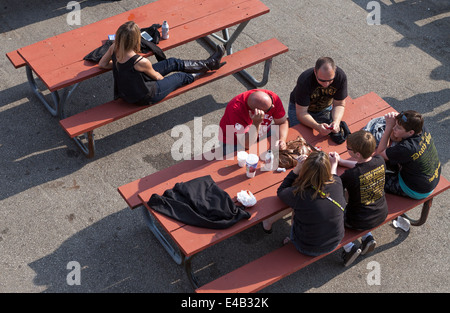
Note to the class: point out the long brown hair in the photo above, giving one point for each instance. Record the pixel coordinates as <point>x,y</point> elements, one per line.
<point>315,173</point>
<point>128,37</point>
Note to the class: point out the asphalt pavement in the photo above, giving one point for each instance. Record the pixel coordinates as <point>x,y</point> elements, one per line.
<point>59,209</point>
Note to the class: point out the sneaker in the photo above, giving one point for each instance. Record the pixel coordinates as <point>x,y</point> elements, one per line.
<point>368,245</point>
<point>350,257</point>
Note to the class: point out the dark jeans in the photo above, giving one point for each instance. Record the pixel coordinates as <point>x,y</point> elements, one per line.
<point>171,82</point>
<point>320,117</point>
<point>392,185</point>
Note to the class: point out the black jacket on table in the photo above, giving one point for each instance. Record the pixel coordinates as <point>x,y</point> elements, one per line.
<point>318,225</point>
<point>199,202</point>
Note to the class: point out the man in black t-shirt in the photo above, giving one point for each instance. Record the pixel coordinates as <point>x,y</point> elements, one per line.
<point>318,99</point>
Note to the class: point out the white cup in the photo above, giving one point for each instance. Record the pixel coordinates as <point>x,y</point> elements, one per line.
<point>242,157</point>
<point>251,165</point>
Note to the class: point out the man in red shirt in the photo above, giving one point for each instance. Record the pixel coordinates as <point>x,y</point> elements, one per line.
<point>257,108</point>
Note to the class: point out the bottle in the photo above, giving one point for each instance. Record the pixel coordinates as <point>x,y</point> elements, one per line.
<point>165,30</point>
<point>268,160</point>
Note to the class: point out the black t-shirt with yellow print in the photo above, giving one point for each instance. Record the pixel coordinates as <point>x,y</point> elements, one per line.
<point>308,92</point>
<point>420,168</point>
<point>367,207</point>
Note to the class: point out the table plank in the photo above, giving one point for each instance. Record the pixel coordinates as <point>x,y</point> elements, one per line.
<point>15,58</point>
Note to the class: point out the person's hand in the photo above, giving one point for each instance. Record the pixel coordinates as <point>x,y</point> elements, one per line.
<point>335,127</point>
<point>324,129</point>
<point>334,157</point>
<point>299,165</point>
<point>257,116</point>
<point>281,144</point>
<point>390,119</point>
<point>334,160</point>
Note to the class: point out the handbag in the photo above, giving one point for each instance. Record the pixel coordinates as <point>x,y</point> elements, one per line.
<point>287,158</point>
<point>97,54</point>
<point>146,46</point>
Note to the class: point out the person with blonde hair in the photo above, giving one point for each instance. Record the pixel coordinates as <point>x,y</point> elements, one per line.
<point>137,80</point>
<point>315,195</point>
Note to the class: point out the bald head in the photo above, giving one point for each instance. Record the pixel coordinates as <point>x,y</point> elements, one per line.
<point>259,100</point>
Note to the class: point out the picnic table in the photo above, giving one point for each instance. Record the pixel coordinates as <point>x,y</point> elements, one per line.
<point>183,241</point>
<point>58,61</point>
<point>59,64</point>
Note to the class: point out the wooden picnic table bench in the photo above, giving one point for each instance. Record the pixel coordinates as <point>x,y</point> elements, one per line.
<point>183,241</point>
<point>58,61</point>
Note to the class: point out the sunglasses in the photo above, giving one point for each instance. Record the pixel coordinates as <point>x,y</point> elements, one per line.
<point>325,80</point>
<point>403,117</point>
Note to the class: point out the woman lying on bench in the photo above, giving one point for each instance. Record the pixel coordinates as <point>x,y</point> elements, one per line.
<point>137,81</point>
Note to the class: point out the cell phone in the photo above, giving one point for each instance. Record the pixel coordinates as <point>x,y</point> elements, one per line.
<point>111,37</point>
<point>146,36</point>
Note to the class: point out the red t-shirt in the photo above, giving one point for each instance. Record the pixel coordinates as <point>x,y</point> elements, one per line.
<point>237,115</point>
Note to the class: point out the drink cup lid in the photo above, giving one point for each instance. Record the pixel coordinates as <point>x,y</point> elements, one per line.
<point>252,159</point>
<point>242,154</point>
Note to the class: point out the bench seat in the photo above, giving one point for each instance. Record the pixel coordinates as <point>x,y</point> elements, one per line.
<point>286,260</point>
<point>91,119</point>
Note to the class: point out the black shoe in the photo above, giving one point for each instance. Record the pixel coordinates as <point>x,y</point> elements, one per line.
<point>368,245</point>
<point>213,62</point>
<point>350,257</point>
<point>210,64</point>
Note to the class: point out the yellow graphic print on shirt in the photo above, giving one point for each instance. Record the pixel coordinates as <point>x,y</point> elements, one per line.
<point>372,185</point>
<point>321,98</point>
<point>427,157</point>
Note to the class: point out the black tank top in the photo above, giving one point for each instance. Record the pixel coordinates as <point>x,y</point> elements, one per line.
<point>129,84</point>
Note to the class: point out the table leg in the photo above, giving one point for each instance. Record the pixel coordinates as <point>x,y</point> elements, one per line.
<point>188,268</point>
<point>423,214</point>
<point>86,144</point>
<point>57,109</point>
<point>228,41</point>
<point>173,251</point>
